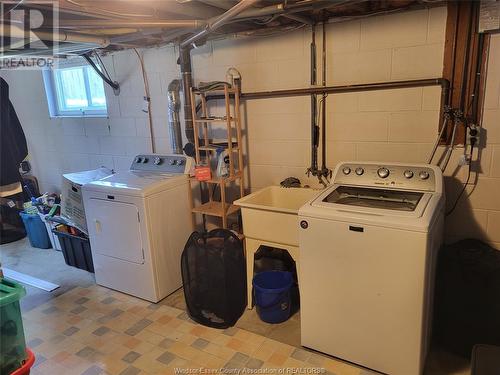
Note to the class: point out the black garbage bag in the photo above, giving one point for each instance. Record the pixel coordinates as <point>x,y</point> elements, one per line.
<point>214,278</point>
<point>467,308</point>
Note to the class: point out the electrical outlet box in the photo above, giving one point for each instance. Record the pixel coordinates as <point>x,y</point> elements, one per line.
<point>477,133</point>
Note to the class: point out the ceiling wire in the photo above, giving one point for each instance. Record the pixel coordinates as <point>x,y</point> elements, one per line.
<point>111,12</point>
<point>14,7</point>
<point>256,33</point>
<point>101,63</point>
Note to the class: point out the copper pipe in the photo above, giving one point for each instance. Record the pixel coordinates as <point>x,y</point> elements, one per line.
<point>346,88</point>
<point>443,82</point>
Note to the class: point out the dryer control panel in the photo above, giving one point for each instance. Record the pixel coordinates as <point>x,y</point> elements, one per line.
<point>171,163</point>
<point>406,177</point>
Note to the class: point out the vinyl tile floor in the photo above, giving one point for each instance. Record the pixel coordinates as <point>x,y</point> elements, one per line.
<point>82,328</point>
<point>95,330</point>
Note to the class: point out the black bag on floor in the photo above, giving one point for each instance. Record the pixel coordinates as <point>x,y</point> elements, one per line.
<point>468,296</point>
<point>214,278</point>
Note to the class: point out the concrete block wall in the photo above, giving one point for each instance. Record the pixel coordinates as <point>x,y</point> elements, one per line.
<point>63,145</point>
<point>391,125</point>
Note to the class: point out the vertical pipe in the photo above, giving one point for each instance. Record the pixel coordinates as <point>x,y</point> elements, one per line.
<point>314,128</point>
<point>187,82</point>
<point>324,171</point>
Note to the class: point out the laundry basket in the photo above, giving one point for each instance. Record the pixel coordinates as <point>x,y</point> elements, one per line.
<point>272,295</point>
<point>12,341</point>
<point>214,278</point>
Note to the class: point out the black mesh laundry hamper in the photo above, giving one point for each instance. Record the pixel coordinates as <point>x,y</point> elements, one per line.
<point>214,278</point>
<point>467,310</point>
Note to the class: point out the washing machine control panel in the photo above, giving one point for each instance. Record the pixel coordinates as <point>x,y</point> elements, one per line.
<point>171,163</point>
<point>409,177</point>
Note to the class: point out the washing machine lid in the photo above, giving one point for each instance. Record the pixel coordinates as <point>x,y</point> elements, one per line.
<point>136,183</point>
<point>360,196</point>
<point>374,201</point>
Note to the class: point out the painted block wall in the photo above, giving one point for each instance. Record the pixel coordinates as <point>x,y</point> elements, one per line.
<point>391,125</point>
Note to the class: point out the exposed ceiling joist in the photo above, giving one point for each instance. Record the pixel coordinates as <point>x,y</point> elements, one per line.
<point>142,23</point>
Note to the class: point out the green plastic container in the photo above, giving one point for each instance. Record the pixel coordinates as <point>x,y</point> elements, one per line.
<point>12,341</point>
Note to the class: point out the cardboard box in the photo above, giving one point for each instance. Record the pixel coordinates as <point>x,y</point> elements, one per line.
<point>71,197</point>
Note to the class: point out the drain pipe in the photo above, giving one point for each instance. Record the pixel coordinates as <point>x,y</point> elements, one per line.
<point>187,82</point>
<point>313,169</point>
<point>174,124</point>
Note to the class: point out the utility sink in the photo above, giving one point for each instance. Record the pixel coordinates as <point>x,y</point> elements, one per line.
<point>270,214</point>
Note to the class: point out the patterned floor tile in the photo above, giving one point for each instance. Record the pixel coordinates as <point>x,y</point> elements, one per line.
<point>130,357</point>
<point>91,331</point>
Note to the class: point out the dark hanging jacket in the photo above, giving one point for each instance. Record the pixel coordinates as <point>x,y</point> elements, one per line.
<point>14,148</point>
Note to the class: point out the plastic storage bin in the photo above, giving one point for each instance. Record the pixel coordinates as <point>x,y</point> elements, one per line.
<point>12,341</point>
<point>54,240</point>
<point>27,365</point>
<point>37,233</point>
<point>272,295</point>
<point>76,250</point>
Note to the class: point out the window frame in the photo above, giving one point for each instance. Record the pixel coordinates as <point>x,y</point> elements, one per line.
<point>54,100</point>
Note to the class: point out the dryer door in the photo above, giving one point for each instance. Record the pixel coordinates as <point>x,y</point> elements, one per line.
<point>114,229</point>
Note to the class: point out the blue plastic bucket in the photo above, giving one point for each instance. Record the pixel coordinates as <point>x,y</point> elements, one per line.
<point>272,295</point>
<point>36,230</point>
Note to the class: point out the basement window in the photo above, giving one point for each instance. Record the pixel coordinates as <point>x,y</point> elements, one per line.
<point>75,91</point>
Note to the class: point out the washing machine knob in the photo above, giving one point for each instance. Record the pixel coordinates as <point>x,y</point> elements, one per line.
<point>408,173</point>
<point>138,159</point>
<point>171,162</point>
<point>157,160</point>
<point>359,171</point>
<point>383,172</point>
<point>180,162</point>
<point>424,175</point>
<point>346,170</point>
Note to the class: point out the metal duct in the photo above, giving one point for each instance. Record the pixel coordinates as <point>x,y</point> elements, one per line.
<point>174,124</point>
<point>219,21</point>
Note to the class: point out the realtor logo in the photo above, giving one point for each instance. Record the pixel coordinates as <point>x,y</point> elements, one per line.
<point>28,33</point>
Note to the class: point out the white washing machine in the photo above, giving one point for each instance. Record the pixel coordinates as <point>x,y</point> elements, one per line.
<point>139,221</point>
<point>368,246</point>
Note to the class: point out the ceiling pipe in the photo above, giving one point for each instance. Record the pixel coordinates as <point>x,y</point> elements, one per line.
<point>298,18</point>
<point>62,49</point>
<point>58,36</point>
<point>222,4</point>
<point>130,37</point>
<point>219,21</point>
<point>299,6</point>
<point>132,24</point>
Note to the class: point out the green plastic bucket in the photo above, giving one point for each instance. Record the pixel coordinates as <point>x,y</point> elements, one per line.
<point>12,341</point>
